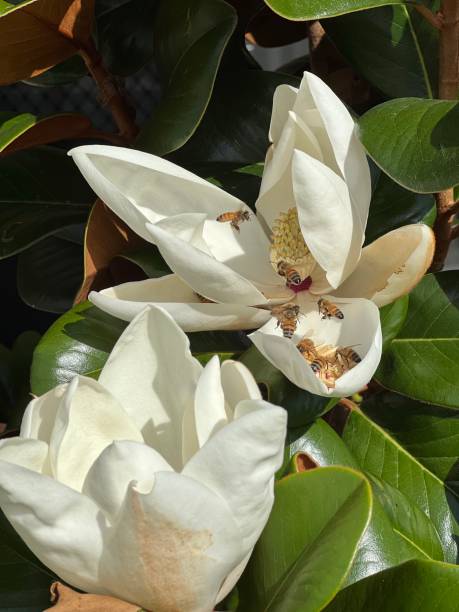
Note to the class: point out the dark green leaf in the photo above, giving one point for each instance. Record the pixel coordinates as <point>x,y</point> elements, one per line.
<point>428,432</point>
<point>125,36</point>
<point>12,126</point>
<point>49,274</point>
<point>41,192</point>
<point>23,587</point>
<point>308,545</point>
<point>304,10</point>
<point>392,319</point>
<point>381,456</point>
<point>66,72</point>
<point>302,406</point>
<point>412,587</point>
<point>239,137</point>
<point>392,47</point>
<point>416,142</point>
<point>190,37</point>
<point>149,260</point>
<point>423,361</point>
<point>393,206</point>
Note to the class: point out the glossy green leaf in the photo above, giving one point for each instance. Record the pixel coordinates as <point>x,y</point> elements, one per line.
<point>428,432</point>
<point>393,206</point>
<point>308,545</point>
<point>381,456</point>
<point>393,47</point>
<point>9,7</point>
<point>392,319</point>
<point>412,587</point>
<point>79,342</point>
<point>12,126</point>
<point>49,274</point>
<point>416,142</point>
<point>41,192</point>
<point>305,10</point>
<point>302,407</point>
<point>149,260</point>
<point>239,137</point>
<point>423,361</point>
<point>125,36</point>
<point>68,71</point>
<point>190,37</point>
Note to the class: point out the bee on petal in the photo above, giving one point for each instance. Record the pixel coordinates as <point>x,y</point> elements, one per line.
<point>324,369</point>
<point>327,309</point>
<point>347,357</point>
<point>307,348</point>
<point>235,218</point>
<point>287,318</point>
<point>292,276</point>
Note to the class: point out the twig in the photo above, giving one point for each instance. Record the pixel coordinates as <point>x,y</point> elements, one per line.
<point>122,113</point>
<point>448,88</point>
<point>435,19</point>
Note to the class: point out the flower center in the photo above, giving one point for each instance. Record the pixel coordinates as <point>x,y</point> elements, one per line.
<point>328,362</point>
<point>289,255</point>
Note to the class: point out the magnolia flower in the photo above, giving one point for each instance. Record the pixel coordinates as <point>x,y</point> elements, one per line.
<point>152,484</point>
<point>304,242</point>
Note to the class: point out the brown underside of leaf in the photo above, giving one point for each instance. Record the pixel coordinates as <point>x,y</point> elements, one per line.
<point>67,600</point>
<point>106,237</point>
<point>42,34</point>
<point>303,462</point>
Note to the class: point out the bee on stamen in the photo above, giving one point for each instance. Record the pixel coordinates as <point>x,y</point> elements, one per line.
<point>292,276</point>
<point>327,309</point>
<point>347,357</point>
<point>287,318</point>
<point>235,218</point>
<point>307,348</point>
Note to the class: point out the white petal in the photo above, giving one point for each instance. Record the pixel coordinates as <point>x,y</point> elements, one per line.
<point>88,420</point>
<point>153,375</point>
<point>238,383</point>
<point>283,102</point>
<point>391,265</point>
<point>209,402</point>
<point>188,227</point>
<point>348,151</point>
<point>239,462</point>
<point>116,467</point>
<point>60,526</point>
<point>360,329</point>
<point>31,454</point>
<point>40,414</point>
<point>330,228</point>
<point>245,251</point>
<point>172,547</point>
<point>141,188</point>
<point>204,274</point>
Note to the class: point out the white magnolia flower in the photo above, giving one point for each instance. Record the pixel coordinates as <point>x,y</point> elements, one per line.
<point>309,229</point>
<point>152,484</point>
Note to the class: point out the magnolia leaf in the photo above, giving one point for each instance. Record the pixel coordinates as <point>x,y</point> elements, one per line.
<point>40,34</point>
<point>392,319</point>
<point>25,131</point>
<point>393,47</point>
<point>300,562</point>
<point>190,37</point>
<point>381,456</point>
<point>106,237</point>
<point>67,600</point>
<point>68,71</point>
<point>428,432</point>
<point>302,406</point>
<point>49,274</point>
<point>411,587</point>
<point>42,192</point>
<point>422,362</point>
<point>415,141</point>
<point>148,258</point>
<point>304,10</point>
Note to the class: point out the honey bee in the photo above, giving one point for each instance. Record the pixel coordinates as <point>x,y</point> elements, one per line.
<point>324,370</point>
<point>287,318</point>
<point>307,348</point>
<point>347,357</point>
<point>234,218</point>
<point>292,276</point>
<point>327,309</point>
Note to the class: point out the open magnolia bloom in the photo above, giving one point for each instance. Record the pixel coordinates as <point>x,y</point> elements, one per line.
<point>152,484</point>
<point>231,267</point>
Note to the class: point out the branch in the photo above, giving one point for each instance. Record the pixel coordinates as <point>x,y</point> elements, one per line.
<point>123,114</point>
<point>435,19</point>
<point>448,88</point>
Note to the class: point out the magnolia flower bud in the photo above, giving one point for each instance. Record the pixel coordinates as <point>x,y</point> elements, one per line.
<point>152,484</point>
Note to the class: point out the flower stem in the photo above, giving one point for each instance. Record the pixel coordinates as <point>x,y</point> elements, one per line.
<point>122,113</point>
<point>448,88</point>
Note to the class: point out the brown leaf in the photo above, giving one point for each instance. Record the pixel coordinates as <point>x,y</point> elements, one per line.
<point>302,462</point>
<point>67,600</point>
<point>106,237</point>
<point>41,34</point>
